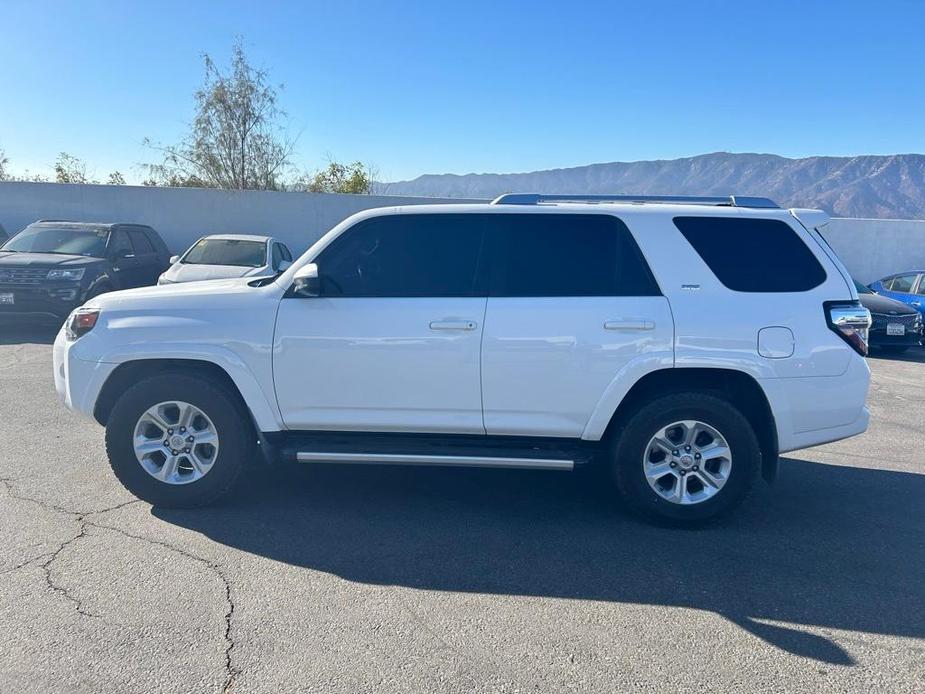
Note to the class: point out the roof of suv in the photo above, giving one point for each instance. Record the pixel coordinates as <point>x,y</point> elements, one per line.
<point>66,223</point>
<point>583,207</point>
<point>673,204</point>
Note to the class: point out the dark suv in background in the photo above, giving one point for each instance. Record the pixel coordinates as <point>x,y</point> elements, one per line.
<point>51,267</point>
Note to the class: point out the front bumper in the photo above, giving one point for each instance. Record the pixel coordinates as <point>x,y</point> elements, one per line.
<point>52,303</point>
<point>879,338</point>
<point>78,382</point>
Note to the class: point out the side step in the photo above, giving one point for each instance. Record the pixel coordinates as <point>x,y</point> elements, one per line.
<point>434,460</point>
<point>452,450</point>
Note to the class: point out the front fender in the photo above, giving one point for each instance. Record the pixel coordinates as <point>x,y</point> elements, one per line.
<point>263,408</point>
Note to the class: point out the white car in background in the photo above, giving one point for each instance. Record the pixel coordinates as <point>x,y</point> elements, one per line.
<point>225,256</point>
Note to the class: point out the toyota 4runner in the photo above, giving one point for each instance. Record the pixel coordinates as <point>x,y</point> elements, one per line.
<point>681,344</point>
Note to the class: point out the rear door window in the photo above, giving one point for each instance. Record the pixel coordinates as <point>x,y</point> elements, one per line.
<point>546,255</point>
<point>753,255</point>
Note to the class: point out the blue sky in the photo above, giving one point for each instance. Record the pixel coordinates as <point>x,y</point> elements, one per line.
<point>428,87</point>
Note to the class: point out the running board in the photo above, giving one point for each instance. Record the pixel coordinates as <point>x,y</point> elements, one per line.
<point>434,460</point>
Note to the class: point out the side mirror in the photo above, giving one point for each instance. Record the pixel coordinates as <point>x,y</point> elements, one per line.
<point>306,282</point>
<point>174,259</point>
<point>284,265</point>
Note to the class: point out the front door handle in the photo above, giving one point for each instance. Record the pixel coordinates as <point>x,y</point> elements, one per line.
<point>629,324</point>
<point>453,325</point>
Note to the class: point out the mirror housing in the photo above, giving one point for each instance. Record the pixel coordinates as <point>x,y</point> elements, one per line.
<point>174,259</point>
<point>306,281</point>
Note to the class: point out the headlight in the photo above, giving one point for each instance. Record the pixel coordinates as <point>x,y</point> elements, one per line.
<point>80,322</point>
<point>72,275</point>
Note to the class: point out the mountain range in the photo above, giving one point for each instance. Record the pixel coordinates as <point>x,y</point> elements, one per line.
<point>889,186</point>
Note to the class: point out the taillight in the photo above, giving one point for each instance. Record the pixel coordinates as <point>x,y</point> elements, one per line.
<point>80,322</point>
<point>850,321</point>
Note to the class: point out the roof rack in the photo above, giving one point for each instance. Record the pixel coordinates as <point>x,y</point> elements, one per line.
<point>726,201</point>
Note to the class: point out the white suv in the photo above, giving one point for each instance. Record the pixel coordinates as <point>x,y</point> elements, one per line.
<point>680,343</point>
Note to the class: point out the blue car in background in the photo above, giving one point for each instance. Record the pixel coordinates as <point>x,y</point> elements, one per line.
<point>908,287</point>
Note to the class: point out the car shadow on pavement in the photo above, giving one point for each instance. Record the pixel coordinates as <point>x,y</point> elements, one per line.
<point>831,547</point>
<point>25,334</point>
<point>913,354</point>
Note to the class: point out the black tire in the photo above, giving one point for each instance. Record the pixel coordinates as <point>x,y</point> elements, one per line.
<point>223,408</point>
<point>632,438</point>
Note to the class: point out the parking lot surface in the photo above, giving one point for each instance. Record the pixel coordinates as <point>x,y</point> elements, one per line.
<point>373,579</point>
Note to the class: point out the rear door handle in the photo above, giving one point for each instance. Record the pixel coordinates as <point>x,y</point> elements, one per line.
<point>453,325</point>
<point>629,324</point>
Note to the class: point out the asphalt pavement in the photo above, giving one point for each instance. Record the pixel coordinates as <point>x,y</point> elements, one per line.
<point>369,579</point>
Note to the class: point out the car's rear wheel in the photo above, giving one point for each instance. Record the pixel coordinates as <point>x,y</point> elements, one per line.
<point>178,440</point>
<point>685,457</point>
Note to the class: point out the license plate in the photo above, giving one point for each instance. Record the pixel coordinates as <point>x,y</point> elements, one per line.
<point>7,299</point>
<point>897,329</point>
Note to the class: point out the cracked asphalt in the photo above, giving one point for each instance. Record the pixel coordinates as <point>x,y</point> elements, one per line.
<point>353,579</point>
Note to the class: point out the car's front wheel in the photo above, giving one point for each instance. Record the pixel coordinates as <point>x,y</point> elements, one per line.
<point>685,457</point>
<point>178,440</point>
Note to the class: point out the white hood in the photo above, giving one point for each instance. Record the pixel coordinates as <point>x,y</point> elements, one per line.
<point>189,272</point>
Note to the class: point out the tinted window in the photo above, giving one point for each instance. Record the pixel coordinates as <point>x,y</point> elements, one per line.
<point>566,255</point>
<point>902,284</point>
<point>120,245</point>
<point>921,289</point>
<point>753,255</point>
<point>285,250</point>
<point>141,242</point>
<point>277,256</point>
<point>236,252</point>
<point>69,241</point>
<point>404,255</point>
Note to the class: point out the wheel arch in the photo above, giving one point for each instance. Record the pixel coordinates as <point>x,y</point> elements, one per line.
<point>737,387</point>
<point>130,372</point>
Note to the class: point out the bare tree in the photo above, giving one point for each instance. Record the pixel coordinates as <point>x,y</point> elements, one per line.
<point>236,140</point>
<point>116,179</point>
<point>4,174</point>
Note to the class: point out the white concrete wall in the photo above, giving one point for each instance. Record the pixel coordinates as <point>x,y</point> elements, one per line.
<point>873,248</point>
<point>870,248</point>
<point>182,215</point>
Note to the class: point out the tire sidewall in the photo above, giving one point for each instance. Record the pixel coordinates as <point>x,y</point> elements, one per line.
<point>214,402</point>
<point>628,469</point>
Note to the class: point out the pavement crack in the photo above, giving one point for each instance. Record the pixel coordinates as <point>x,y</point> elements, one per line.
<point>60,589</point>
<point>79,517</point>
<point>231,671</point>
<point>23,565</point>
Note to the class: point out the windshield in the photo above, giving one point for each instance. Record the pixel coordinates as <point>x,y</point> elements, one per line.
<point>87,242</point>
<point>227,252</point>
<point>861,288</point>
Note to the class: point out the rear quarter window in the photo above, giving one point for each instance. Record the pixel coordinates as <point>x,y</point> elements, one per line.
<point>753,255</point>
